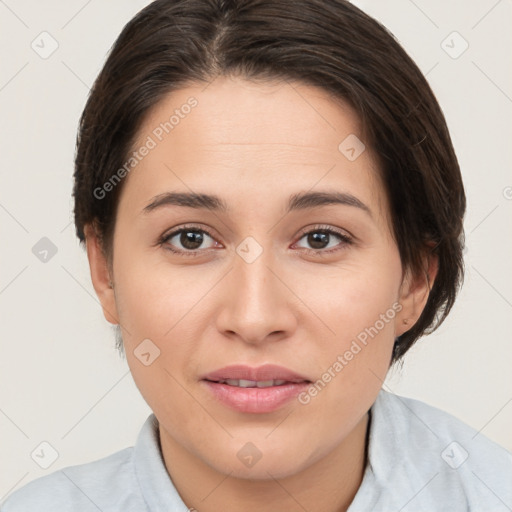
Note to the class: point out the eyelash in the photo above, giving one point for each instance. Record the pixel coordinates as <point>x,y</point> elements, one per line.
<point>345,240</point>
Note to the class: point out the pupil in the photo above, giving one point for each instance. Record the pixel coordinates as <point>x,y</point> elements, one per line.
<point>191,239</point>
<point>318,240</point>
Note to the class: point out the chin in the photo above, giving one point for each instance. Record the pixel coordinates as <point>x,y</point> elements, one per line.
<point>250,463</point>
<point>262,471</point>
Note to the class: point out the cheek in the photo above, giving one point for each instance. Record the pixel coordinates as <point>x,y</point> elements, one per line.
<point>360,306</point>
<point>155,299</point>
<point>353,298</point>
<point>165,305</point>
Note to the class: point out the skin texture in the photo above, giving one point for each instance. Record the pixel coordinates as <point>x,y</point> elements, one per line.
<point>254,145</point>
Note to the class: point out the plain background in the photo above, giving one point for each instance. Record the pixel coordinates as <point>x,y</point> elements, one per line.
<point>62,380</point>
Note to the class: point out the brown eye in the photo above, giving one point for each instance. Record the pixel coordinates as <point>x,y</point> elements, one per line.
<point>191,240</point>
<point>318,239</point>
<point>187,241</point>
<point>324,240</point>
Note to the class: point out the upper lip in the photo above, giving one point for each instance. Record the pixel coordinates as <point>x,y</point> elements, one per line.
<point>259,373</point>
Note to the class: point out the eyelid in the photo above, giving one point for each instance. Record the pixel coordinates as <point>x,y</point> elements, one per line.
<point>325,227</point>
<point>184,227</point>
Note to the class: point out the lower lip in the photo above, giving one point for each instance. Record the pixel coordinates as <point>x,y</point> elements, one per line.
<point>255,400</point>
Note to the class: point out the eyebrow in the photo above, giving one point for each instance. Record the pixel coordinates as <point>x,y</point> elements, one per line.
<point>299,201</point>
<point>188,200</point>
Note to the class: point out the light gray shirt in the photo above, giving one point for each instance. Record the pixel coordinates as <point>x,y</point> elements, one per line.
<point>420,459</point>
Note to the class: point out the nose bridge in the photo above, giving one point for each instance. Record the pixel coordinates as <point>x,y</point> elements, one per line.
<point>257,284</point>
<point>258,303</point>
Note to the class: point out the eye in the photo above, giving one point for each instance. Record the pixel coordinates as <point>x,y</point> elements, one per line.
<point>321,240</point>
<point>191,239</point>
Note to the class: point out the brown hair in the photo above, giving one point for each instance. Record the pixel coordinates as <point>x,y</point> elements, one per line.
<point>330,44</point>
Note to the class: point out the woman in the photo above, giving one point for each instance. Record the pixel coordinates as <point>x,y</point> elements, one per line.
<point>273,215</point>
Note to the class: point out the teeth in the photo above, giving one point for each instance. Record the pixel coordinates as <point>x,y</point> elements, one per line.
<point>265,383</point>
<point>242,383</point>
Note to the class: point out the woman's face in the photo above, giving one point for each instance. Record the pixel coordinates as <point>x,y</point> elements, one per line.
<point>315,289</point>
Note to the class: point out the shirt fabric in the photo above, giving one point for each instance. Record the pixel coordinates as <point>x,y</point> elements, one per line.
<point>420,459</point>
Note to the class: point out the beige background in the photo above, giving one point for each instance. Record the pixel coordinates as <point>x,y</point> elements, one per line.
<point>63,382</point>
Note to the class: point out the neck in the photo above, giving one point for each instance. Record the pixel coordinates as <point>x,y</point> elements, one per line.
<point>329,484</point>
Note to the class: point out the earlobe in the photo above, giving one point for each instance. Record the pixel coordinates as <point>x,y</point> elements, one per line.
<point>414,293</point>
<point>100,275</point>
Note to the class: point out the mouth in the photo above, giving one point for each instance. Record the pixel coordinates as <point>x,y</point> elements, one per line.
<point>242,383</point>
<point>262,389</point>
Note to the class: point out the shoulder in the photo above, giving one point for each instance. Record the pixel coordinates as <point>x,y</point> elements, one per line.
<point>106,484</point>
<point>461,464</point>
<point>437,427</point>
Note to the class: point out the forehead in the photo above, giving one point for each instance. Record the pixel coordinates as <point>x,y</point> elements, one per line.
<point>284,113</point>
<point>260,141</point>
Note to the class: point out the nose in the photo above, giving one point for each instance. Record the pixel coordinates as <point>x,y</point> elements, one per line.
<point>257,301</point>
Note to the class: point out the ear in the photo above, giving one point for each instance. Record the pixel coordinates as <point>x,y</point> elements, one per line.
<point>100,275</point>
<point>414,292</point>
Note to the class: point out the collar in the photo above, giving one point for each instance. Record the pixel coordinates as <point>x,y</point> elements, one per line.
<point>155,483</point>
